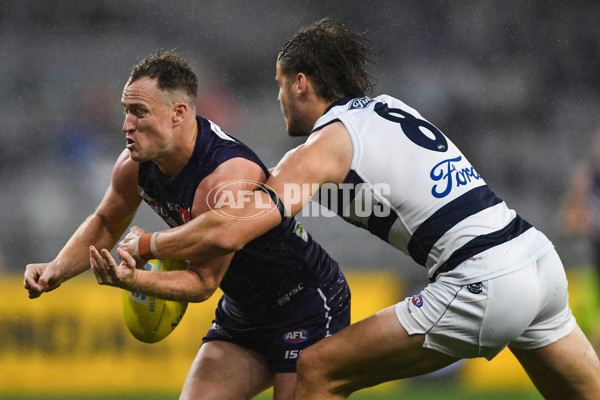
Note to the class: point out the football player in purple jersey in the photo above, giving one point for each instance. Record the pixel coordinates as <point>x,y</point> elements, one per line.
<point>281,292</point>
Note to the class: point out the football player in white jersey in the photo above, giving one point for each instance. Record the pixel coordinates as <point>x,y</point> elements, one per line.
<point>496,281</point>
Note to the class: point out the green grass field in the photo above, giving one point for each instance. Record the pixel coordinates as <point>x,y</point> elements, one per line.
<point>427,391</point>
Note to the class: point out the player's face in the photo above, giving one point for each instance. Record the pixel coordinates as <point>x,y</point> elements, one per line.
<point>297,123</point>
<point>147,119</point>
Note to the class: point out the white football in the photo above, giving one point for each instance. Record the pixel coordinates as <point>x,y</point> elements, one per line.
<point>149,318</point>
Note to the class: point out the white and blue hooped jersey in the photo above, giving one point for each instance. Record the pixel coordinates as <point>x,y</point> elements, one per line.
<point>412,187</point>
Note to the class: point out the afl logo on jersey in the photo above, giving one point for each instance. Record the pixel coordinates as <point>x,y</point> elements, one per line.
<point>296,336</point>
<point>417,300</point>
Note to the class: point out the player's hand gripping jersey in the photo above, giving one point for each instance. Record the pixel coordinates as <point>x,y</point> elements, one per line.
<point>423,195</point>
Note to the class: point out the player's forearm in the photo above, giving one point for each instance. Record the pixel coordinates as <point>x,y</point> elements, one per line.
<point>210,235</point>
<point>173,285</point>
<point>74,257</point>
<point>203,238</point>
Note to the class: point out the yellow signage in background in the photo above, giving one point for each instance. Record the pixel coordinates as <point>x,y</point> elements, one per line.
<point>74,340</point>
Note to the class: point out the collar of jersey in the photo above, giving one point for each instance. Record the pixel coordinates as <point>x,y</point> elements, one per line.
<point>339,102</point>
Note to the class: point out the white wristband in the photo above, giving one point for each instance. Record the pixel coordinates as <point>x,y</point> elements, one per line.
<point>153,249</point>
<point>146,246</point>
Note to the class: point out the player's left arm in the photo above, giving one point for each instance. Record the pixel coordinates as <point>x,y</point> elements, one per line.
<point>203,277</point>
<point>195,284</point>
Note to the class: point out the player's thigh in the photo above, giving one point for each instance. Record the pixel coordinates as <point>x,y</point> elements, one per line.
<point>226,370</point>
<point>372,351</point>
<point>566,369</point>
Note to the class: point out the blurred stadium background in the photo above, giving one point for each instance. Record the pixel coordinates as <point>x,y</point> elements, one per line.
<point>514,83</point>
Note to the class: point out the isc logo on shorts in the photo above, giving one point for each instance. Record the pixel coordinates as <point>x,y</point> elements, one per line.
<point>296,336</point>
<point>219,330</point>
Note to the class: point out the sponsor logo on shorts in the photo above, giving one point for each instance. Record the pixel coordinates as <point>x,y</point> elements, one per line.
<point>296,336</point>
<point>219,330</point>
<point>475,288</point>
<point>287,297</point>
<point>417,300</point>
<point>292,354</point>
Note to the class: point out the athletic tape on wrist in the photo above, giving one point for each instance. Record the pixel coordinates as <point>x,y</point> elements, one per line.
<point>146,247</point>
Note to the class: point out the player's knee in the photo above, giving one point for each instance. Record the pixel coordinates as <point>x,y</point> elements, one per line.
<point>303,365</point>
<point>310,368</point>
<point>315,375</point>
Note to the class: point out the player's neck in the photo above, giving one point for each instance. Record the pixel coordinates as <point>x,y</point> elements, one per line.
<point>317,109</point>
<point>178,155</point>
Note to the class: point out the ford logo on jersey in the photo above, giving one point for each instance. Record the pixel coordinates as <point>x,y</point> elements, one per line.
<point>296,336</point>
<point>450,175</point>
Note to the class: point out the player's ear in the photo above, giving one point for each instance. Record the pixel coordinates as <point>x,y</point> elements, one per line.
<point>301,83</point>
<point>179,112</point>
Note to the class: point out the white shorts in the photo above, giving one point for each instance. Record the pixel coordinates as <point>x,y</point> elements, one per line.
<point>526,309</point>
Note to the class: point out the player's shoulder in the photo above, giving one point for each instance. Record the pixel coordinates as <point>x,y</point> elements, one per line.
<point>216,145</point>
<point>124,161</point>
<point>336,131</point>
<point>124,158</point>
<point>210,130</point>
<point>237,168</point>
<point>125,167</point>
<point>327,151</point>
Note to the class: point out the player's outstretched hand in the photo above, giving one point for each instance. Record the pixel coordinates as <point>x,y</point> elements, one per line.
<point>108,272</point>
